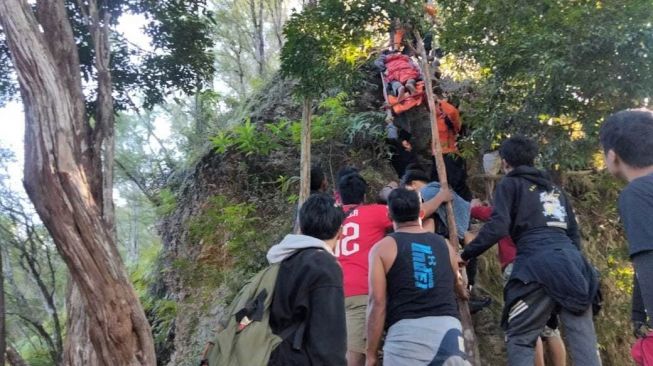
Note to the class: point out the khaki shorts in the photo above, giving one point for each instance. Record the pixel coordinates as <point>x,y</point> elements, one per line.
<point>356,312</point>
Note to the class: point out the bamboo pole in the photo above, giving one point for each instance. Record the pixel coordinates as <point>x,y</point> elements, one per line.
<point>471,346</point>
<point>388,108</point>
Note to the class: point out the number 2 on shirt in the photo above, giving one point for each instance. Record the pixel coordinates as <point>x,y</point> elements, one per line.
<point>346,246</point>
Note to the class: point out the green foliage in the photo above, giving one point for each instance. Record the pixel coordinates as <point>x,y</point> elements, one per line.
<point>230,230</point>
<point>180,34</point>
<point>334,122</point>
<point>551,69</point>
<point>168,202</point>
<point>248,139</point>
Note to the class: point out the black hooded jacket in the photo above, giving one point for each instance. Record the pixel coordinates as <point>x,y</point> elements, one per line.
<point>526,202</point>
<point>541,221</point>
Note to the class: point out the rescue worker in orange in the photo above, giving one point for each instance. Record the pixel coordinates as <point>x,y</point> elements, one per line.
<point>449,127</point>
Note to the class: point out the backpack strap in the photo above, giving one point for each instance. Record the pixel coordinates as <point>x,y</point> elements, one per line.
<point>297,331</point>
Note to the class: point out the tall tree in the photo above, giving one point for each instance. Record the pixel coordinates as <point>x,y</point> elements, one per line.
<point>69,154</point>
<point>256,16</point>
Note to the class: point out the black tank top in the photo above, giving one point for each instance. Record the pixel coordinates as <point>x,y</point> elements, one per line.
<point>421,280</point>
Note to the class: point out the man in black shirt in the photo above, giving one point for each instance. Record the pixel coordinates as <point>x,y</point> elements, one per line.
<point>309,290</point>
<point>411,292</point>
<point>549,271</point>
<point>627,139</point>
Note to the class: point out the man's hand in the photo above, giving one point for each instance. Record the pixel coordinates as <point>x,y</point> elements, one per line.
<point>640,329</point>
<point>445,194</point>
<point>476,203</point>
<point>371,359</point>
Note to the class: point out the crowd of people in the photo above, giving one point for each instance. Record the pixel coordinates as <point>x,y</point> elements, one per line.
<point>374,283</point>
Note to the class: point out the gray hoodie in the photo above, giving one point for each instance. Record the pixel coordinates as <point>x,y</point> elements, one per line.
<point>291,244</point>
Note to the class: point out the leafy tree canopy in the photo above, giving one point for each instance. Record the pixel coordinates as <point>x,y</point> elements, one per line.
<point>554,68</point>
<point>180,60</point>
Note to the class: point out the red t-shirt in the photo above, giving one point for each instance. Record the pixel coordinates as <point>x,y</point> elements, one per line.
<point>364,226</point>
<point>507,248</point>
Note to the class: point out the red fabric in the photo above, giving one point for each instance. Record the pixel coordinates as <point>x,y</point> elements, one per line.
<point>364,226</point>
<point>642,351</point>
<point>447,136</point>
<point>400,68</point>
<point>507,248</point>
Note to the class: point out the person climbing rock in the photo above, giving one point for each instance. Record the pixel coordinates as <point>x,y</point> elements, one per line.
<point>309,289</point>
<point>549,271</point>
<point>401,72</point>
<point>401,149</point>
<point>416,179</point>
<point>449,127</point>
<point>342,173</point>
<point>364,226</point>
<point>627,140</point>
<point>507,253</point>
<point>413,273</point>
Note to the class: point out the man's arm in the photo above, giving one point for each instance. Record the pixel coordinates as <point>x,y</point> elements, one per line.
<point>376,307</point>
<point>460,287</point>
<point>499,224</point>
<point>327,316</point>
<point>431,205</point>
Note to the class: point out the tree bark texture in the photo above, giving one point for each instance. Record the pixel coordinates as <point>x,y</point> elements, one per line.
<point>305,158</point>
<point>256,13</point>
<point>14,358</point>
<point>471,347</point>
<point>63,185</point>
<point>3,315</point>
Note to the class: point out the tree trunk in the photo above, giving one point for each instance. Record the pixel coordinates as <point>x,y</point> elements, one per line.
<point>78,350</point>
<point>256,13</point>
<point>471,347</point>
<point>59,183</point>
<point>305,159</point>
<point>3,331</point>
<point>276,9</point>
<point>14,358</point>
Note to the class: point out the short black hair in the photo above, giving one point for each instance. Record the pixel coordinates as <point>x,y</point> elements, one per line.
<point>346,171</point>
<point>414,172</point>
<point>320,218</point>
<point>404,205</point>
<point>352,189</point>
<point>629,134</point>
<point>518,151</point>
<point>317,177</point>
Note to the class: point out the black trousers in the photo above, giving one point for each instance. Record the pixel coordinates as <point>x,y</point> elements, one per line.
<point>456,175</point>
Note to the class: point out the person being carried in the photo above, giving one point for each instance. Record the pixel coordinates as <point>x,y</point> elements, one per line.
<point>507,254</point>
<point>365,225</point>
<point>449,127</point>
<point>309,289</point>
<point>400,70</point>
<point>627,140</point>
<point>549,272</point>
<point>412,276</point>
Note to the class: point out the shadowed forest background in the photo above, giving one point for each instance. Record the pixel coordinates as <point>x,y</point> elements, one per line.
<point>191,165</point>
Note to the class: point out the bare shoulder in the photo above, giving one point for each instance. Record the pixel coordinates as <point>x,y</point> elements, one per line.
<point>385,250</point>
